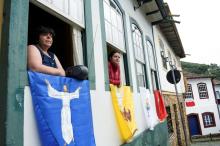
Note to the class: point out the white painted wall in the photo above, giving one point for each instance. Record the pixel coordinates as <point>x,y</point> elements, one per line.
<point>204,105</point>
<point>165,85</point>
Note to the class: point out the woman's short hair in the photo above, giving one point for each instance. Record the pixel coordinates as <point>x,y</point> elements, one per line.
<point>42,30</point>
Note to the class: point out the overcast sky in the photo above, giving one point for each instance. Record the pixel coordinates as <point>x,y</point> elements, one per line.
<point>199,29</point>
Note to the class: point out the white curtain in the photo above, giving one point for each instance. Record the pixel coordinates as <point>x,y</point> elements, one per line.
<point>77,47</point>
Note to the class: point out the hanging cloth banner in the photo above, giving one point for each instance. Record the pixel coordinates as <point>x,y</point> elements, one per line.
<point>189,102</point>
<point>124,111</point>
<point>149,108</point>
<point>160,107</point>
<point>62,109</point>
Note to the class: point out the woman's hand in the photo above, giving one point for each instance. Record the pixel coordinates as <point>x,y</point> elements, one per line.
<point>61,72</point>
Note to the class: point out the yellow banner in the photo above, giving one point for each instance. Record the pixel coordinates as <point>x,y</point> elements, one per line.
<point>124,111</point>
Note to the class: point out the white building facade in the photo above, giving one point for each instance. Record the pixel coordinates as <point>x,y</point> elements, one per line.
<point>201,107</point>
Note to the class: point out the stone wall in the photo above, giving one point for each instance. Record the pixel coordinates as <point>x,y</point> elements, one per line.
<point>177,137</point>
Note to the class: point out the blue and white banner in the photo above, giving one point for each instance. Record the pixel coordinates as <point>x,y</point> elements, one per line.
<point>62,109</point>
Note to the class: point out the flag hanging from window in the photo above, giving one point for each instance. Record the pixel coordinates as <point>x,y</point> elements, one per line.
<point>123,105</point>
<point>62,109</point>
<point>149,108</point>
<point>160,107</point>
<point>189,102</point>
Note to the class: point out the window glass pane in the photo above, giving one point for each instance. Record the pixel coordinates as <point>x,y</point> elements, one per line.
<point>114,35</point>
<point>151,55</point>
<point>202,89</point>
<point>208,119</point>
<point>138,46</point>
<point>120,25</point>
<point>107,11</point>
<point>108,31</point>
<point>154,80</point>
<point>139,68</point>
<point>121,39</point>
<point>140,75</point>
<point>189,92</point>
<point>113,17</point>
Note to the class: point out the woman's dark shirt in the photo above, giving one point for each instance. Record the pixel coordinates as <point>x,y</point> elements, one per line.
<point>46,60</point>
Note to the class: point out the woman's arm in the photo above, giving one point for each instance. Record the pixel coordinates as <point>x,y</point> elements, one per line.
<point>59,66</point>
<point>34,62</point>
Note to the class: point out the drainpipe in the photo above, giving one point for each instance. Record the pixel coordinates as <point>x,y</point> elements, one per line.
<point>178,100</point>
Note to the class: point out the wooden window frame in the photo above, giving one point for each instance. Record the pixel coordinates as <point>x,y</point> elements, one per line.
<point>200,92</point>
<point>137,60</point>
<point>189,92</point>
<point>213,124</point>
<point>119,29</point>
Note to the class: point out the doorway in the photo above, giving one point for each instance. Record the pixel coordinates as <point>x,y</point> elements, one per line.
<point>62,44</point>
<point>194,124</point>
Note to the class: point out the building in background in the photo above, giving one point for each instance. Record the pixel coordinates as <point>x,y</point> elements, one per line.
<point>201,106</point>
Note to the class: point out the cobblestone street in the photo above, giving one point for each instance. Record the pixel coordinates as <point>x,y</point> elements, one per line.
<point>211,143</point>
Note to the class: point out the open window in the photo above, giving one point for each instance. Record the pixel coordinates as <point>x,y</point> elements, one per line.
<point>115,35</point>
<point>67,44</point>
<point>122,66</point>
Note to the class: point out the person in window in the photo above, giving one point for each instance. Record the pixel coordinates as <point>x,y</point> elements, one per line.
<point>39,59</point>
<point>114,68</point>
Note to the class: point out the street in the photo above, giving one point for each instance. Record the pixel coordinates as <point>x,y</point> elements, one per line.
<point>211,143</point>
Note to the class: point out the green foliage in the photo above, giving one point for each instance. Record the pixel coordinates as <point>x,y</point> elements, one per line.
<point>203,69</point>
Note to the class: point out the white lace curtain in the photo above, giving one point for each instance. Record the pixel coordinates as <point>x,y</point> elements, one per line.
<point>77,47</point>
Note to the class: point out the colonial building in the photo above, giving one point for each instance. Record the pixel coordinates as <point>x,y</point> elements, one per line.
<point>86,32</point>
<point>201,108</point>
